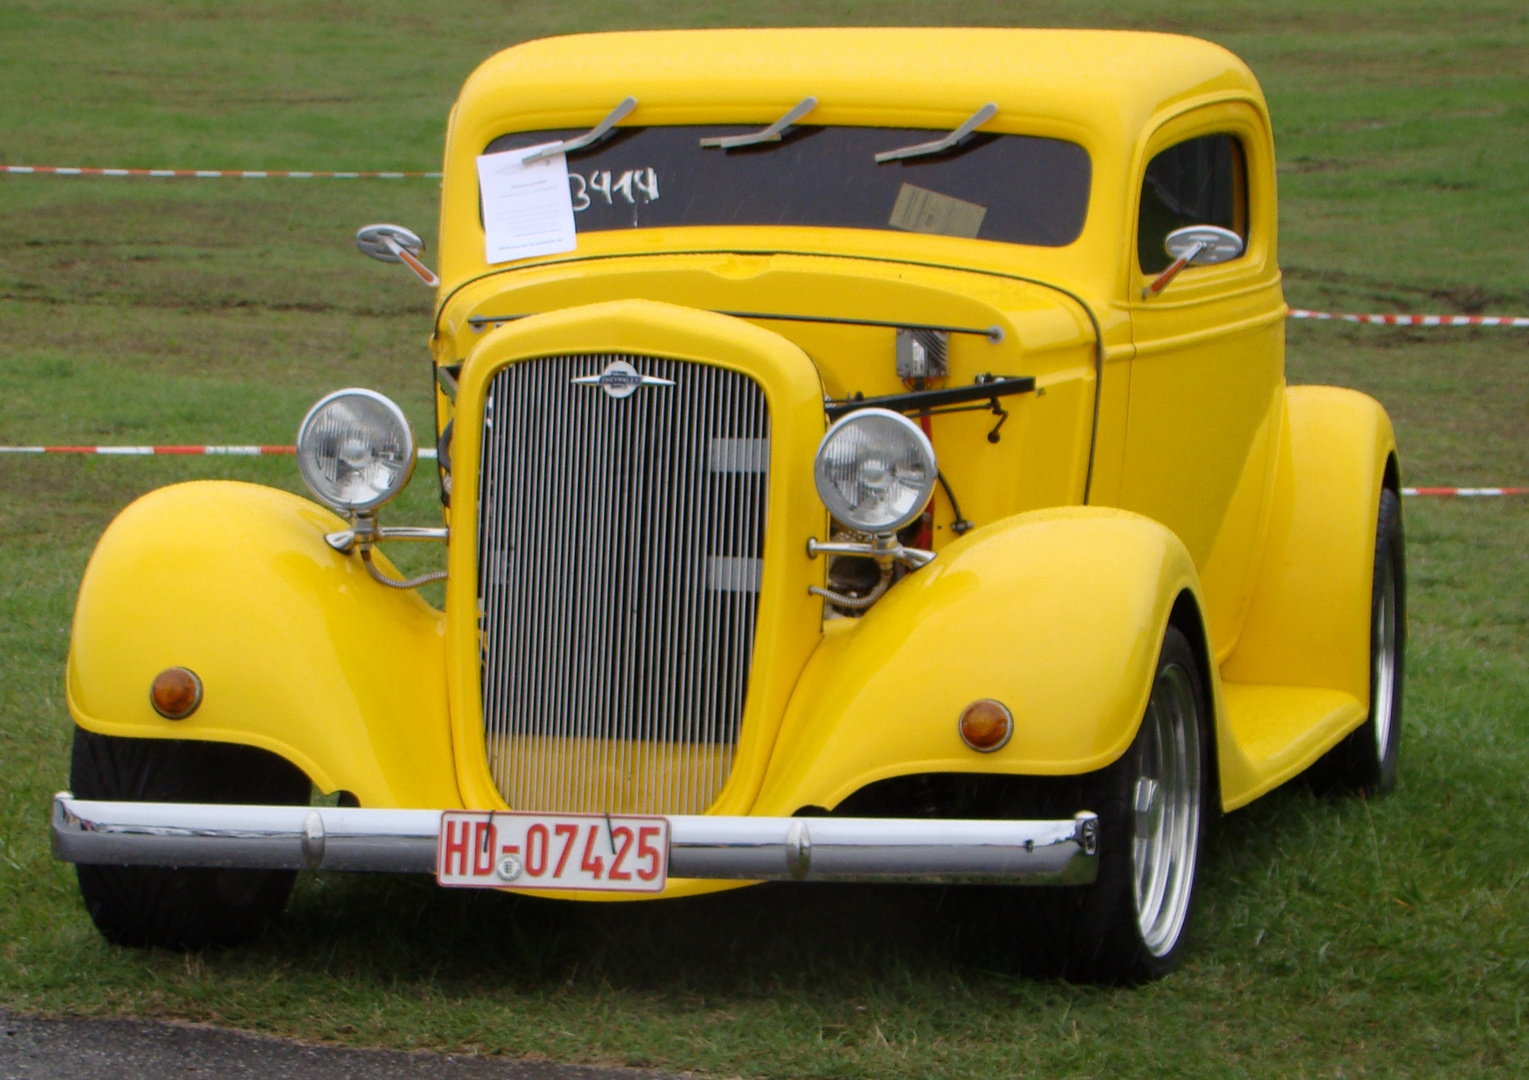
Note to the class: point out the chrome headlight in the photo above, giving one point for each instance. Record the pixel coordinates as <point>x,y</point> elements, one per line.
<point>875,470</point>
<point>355,450</point>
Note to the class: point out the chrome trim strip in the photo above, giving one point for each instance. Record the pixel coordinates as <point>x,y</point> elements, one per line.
<point>700,846</point>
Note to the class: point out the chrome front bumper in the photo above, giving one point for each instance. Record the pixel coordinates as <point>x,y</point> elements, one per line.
<point>738,848</point>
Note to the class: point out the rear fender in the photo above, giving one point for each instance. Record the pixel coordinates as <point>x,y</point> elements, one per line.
<point>1309,620</point>
<point>298,650</point>
<point>1058,614</point>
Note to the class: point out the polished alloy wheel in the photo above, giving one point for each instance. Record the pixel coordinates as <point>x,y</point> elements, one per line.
<point>1166,801</point>
<point>1383,677</point>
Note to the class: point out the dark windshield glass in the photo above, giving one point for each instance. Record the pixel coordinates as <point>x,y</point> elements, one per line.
<point>1016,188</point>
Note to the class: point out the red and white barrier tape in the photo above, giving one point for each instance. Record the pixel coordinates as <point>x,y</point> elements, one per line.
<point>428,454</point>
<point>313,174</point>
<point>1412,320</point>
<point>1465,492</point>
<point>425,453</point>
<point>215,174</point>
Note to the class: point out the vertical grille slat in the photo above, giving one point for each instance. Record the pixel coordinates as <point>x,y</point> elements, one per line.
<point>620,554</point>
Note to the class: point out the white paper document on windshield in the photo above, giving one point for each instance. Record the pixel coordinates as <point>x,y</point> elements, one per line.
<point>527,208</point>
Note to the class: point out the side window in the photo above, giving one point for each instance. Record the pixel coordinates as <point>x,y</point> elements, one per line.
<point>1196,182</point>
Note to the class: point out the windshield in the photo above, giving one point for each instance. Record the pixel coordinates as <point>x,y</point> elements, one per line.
<point>1019,189</point>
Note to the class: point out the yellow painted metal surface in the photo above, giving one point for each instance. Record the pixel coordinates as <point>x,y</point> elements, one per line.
<point>1042,457</point>
<point>1308,621</point>
<point>1059,614</point>
<point>789,621</point>
<point>1257,501</point>
<point>1207,381</point>
<point>1100,89</point>
<point>1274,733</point>
<point>298,650</point>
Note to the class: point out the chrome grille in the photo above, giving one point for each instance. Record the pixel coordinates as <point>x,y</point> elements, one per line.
<point>619,561</point>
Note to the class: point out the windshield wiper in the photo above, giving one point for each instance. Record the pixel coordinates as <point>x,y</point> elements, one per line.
<point>589,138</point>
<point>769,134</point>
<point>976,120</point>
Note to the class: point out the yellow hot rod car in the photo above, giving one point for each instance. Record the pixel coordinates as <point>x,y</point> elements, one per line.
<point>866,456</point>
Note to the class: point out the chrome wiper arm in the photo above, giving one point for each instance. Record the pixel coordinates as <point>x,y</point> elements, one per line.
<point>769,134</point>
<point>589,138</point>
<point>976,120</point>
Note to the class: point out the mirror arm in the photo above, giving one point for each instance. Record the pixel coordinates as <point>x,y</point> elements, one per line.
<point>423,272</point>
<point>1161,281</point>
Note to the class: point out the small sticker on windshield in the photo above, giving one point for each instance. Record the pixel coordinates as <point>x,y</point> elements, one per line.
<point>923,211</point>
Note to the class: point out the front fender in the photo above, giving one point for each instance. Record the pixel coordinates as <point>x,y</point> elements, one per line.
<point>298,650</point>
<point>1059,614</point>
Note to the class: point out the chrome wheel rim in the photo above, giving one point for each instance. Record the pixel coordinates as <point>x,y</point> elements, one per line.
<point>1166,801</point>
<point>1383,677</point>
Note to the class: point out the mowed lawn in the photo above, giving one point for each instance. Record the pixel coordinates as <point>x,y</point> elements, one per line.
<point>1335,938</point>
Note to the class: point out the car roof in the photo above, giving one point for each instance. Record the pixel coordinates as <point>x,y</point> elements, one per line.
<point>1090,84</point>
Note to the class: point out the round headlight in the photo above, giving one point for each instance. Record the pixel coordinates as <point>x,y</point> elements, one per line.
<point>875,470</point>
<point>355,450</point>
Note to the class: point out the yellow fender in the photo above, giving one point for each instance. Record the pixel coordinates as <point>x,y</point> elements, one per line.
<point>1058,614</point>
<point>1298,679</point>
<point>299,651</point>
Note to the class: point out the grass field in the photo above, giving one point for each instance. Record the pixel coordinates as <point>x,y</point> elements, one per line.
<point>1336,938</point>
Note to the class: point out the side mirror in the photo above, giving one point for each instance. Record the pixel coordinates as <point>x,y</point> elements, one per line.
<point>394,243</point>
<point>1196,245</point>
<point>1203,245</point>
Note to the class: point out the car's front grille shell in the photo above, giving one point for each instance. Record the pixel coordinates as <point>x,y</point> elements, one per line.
<point>619,560</point>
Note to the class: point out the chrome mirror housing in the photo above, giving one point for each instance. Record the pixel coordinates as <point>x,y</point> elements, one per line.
<point>394,243</point>
<point>1203,245</point>
<point>1195,245</point>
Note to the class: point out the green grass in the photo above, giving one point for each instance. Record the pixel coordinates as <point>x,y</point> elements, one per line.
<point>1335,938</point>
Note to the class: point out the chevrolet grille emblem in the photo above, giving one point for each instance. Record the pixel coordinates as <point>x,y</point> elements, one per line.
<point>620,379</point>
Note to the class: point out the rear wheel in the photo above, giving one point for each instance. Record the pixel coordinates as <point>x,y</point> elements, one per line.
<point>174,907</point>
<point>1366,760</point>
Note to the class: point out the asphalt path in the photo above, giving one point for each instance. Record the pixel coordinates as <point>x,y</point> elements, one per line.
<point>32,1049</point>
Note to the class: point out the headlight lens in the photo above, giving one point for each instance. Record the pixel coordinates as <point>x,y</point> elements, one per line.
<point>875,470</point>
<point>355,450</point>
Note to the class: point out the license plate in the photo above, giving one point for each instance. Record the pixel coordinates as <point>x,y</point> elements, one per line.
<point>552,851</point>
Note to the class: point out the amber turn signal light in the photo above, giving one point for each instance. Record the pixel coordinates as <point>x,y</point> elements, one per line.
<point>986,725</point>
<point>176,693</point>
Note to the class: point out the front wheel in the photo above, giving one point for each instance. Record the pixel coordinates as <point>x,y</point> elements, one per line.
<point>182,907</point>
<point>1129,925</point>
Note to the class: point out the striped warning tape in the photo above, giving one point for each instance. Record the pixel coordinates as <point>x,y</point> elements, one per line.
<point>215,174</point>
<point>1465,492</point>
<point>425,453</point>
<point>1412,320</point>
<point>428,454</point>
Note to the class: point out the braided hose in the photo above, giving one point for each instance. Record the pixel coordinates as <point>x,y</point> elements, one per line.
<point>392,583</point>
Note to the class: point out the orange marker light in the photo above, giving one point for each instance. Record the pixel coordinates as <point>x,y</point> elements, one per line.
<point>986,725</point>
<point>176,693</point>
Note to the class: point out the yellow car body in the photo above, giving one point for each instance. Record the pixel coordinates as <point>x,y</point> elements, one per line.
<point>1162,471</point>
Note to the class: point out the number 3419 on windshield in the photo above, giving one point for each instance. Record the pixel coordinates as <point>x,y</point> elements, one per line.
<point>552,851</point>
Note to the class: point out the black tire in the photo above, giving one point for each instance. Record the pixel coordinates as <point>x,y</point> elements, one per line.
<point>1365,761</point>
<point>171,907</point>
<point>1095,933</point>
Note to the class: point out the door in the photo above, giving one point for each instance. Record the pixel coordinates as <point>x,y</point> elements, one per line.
<point>1207,379</point>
